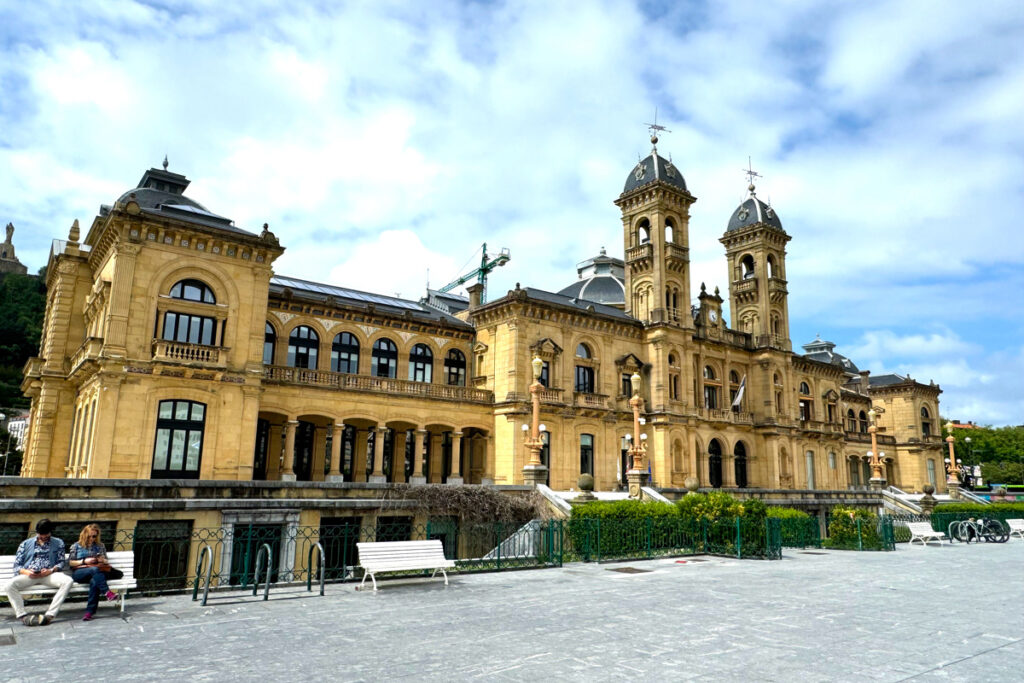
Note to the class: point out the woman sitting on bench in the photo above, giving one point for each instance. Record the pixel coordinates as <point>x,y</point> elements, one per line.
<point>88,559</point>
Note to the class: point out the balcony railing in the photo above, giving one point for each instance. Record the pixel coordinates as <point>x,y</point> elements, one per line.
<point>189,354</point>
<point>774,341</point>
<point>89,350</point>
<point>716,415</point>
<point>640,251</point>
<point>862,437</point>
<point>585,400</point>
<point>381,385</point>
<point>742,286</point>
<point>776,284</point>
<point>675,251</point>
<point>674,316</point>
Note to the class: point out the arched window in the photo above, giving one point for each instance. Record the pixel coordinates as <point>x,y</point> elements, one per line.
<point>851,421</point>
<point>670,231</point>
<point>740,464</point>
<point>584,371</point>
<point>455,368</point>
<point>269,342</point>
<point>190,328</point>
<point>734,388</point>
<point>863,422</point>
<point>715,464</point>
<point>926,422</point>
<point>809,458</point>
<point>587,454</point>
<point>345,353</point>
<point>806,402</point>
<point>303,345</point>
<point>179,440</point>
<point>385,358</point>
<point>771,266</point>
<point>747,267</point>
<point>421,364</point>
<point>193,290</point>
<point>711,387</point>
<point>643,232</point>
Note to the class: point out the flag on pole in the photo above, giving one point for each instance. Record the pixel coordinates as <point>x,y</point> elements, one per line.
<point>739,394</point>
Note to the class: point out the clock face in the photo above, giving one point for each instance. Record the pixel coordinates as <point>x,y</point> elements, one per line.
<point>713,315</point>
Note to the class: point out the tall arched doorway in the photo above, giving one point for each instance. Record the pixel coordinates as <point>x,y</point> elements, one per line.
<point>715,464</point>
<point>740,464</point>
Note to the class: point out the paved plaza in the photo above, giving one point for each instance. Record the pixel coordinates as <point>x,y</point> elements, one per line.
<point>919,614</point>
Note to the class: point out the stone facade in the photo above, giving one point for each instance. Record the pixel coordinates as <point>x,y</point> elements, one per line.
<point>172,350</point>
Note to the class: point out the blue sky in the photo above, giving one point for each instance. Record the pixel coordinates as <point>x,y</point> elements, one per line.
<point>888,135</point>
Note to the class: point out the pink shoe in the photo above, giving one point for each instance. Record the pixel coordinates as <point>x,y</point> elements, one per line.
<point>87,616</point>
<point>111,595</point>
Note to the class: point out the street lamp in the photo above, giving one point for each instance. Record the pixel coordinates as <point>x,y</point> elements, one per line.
<point>534,472</point>
<point>877,476</point>
<point>952,478</point>
<point>638,445</point>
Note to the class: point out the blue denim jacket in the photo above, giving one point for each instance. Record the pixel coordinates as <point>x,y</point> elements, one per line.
<point>27,549</point>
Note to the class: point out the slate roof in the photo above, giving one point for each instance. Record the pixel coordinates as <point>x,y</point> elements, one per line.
<point>383,303</point>
<point>752,211</point>
<point>161,194</point>
<point>886,380</point>
<point>651,169</point>
<point>579,304</point>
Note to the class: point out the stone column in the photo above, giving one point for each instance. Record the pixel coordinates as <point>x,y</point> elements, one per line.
<point>728,470</point>
<point>359,457</point>
<point>398,458</point>
<point>417,467</point>
<point>288,474</point>
<point>335,474</point>
<point>274,452</point>
<point>377,476</point>
<point>316,472</point>
<point>488,476</point>
<point>435,463</point>
<point>455,478</point>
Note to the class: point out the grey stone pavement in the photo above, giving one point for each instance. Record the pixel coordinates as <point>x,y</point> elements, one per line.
<point>951,613</point>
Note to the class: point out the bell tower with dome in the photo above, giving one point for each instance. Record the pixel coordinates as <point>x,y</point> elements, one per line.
<point>755,245</point>
<point>655,207</point>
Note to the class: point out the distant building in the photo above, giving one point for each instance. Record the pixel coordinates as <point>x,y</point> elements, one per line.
<point>17,427</point>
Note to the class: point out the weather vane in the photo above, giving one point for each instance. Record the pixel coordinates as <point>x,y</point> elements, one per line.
<point>655,128</point>
<point>751,173</point>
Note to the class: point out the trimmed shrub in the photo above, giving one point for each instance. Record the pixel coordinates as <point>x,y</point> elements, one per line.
<point>845,533</point>
<point>994,509</point>
<point>779,512</point>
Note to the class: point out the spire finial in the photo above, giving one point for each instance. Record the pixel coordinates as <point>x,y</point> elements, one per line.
<point>654,128</point>
<point>166,164</point>
<point>74,233</point>
<point>751,174</point>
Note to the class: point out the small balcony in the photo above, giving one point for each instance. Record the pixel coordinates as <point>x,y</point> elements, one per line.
<point>774,341</point>
<point>195,355</point>
<point>676,252</point>
<point>89,350</point>
<point>639,252</point>
<point>378,385</point>
<point>743,286</point>
<point>585,400</point>
<point>777,285</point>
<point>716,415</point>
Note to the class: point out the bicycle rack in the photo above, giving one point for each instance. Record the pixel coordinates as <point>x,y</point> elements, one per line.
<point>264,552</point>
<point>309,563</point>
<point>206,551</point>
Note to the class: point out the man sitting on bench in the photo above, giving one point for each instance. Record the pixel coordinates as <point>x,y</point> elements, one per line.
<point>38,563</point>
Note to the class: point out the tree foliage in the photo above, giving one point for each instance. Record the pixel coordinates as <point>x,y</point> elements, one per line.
<point>999,451</point>
<point>22,302</point>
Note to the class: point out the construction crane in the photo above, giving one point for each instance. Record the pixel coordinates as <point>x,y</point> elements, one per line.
<point>486,266</point>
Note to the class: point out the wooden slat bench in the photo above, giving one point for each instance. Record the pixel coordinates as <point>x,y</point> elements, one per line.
<point>1016,527</point>
<point>922,531</point>
<point>398,556</point>
<point>123,560</point>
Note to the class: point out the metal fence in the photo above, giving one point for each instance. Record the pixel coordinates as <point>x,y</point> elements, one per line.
<point>594,539</point>
<point>800,532</point>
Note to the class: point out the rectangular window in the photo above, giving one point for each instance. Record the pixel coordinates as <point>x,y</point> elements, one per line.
<point>810,469</point>
<point>584,379</point>
<point>178,444</point>
<point>587,454</point>
<point>191,329</point>
<point>627,385</point>
<point>931,471</point>
<point>545,374</point>
<point>711,397</point>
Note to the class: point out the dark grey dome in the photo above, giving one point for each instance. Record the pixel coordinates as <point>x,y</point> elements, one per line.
<point>752,211</point>
<point>824,352</point>
<point>148,198</point>
<point>651,169</point>
<point>602,280</point>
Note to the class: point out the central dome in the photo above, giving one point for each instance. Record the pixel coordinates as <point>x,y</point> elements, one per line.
<point>651,169</point>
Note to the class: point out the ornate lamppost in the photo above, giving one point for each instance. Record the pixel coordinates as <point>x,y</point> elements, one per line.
<point>877,474</point>
<point>952,478</point>
<point>534,472</point>
<point>637,449</point>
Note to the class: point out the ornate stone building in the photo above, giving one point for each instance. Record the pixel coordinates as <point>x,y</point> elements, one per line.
<point>171,350</point>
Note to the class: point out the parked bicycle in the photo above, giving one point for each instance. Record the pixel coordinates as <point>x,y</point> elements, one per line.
<point>977,530</point>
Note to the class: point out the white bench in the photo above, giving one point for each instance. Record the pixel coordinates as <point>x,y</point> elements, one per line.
<point>922,531</point>
<point>123,560</point>
<point>398,556</point>
<point>1016,527</point>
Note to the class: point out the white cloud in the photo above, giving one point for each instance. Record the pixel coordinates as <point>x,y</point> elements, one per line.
<point>889,148</point>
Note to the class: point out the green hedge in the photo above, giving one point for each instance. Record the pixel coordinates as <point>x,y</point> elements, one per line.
<point>787,513</point>
<point>855,529</point>
<point>986,510</point>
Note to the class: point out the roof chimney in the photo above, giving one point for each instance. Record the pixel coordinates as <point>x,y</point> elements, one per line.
<point>476,292</point>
